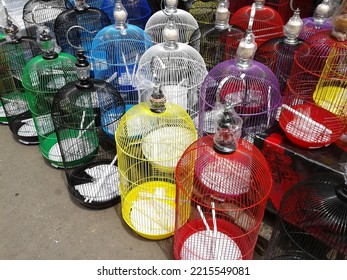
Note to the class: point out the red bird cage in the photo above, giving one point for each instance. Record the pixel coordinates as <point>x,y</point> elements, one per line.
<point>312,220</point>
<point>222,186</point>
<point>268,23</point>
<point>304,121</point>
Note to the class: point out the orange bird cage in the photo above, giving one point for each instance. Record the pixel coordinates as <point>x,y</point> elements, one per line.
<point>268,23</point>
<point>222,186</point>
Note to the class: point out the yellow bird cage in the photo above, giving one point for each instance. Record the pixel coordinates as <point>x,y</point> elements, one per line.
<point>150,139</point>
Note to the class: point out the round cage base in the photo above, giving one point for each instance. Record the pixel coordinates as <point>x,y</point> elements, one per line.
<point>194,242</point>
<point>96,184</point>
<point>80,148</point>
<point>24,129</point>
<point>309,126</point>
<point>149,209</point>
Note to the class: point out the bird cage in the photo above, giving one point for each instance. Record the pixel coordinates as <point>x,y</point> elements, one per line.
<point>311,223</point>
<point>219,41</point>
<point>304,120</point>
<point>249,85</point>
<point>267,24</point>
<point>139,11</point>
<point>116,52</point>
<point>188,28</point>
<point>318,22</point>
<point>15,10</point>
<point>223,183</point>
<point>83,132</point>
<point>179,68</point>
<point>41,13</point>
<point>43,76</point>
<point>76,27</point>
<point>15,52</point>
<point>203,11</point>
<point>150,139</point>
<point>278,53</point>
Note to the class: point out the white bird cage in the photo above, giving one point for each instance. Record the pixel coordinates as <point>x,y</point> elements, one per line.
<point>188,27</point>
<point>179,68</point>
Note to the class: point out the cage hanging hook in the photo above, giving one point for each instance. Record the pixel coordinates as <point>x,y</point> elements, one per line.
<point>251,17</point>
<point>161,63</point>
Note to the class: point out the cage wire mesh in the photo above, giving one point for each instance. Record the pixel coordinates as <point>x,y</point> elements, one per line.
<point>179,68</point>
<point>267,23</point>
<point>85,115</point>
<point>187,26</point>
<point>41,13</point>
<point>278,53</point>
<point>304,120</point>
<point>311,223</point>
<point>318,22</point>
<point>223,184</point>
<point>42,77</point>
<point>249,85</point>
<point>149,144</point>
<point>203,11</point>
<point>76,27</point>
<point>116,52</point>
<point>219,41</point>
<point>15,52</point>
<point>139,11</point>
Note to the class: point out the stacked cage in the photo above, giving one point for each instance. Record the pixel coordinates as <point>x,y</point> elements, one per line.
<point>43,76</point>
<point>116,52</point>
<point>219,41</point>
<point>188,28</point>
<point>311,223</point>
<point>15,52</point>
<point>267,24</point>
<point>41,13</point>
<point>278,53</point>
<point>314,111</point>
<point>247,84</point>
<point>150,138</point>
<point>76,27</point>
<point>223,183</point>
<point>85,115</point>
<point>179,68</point>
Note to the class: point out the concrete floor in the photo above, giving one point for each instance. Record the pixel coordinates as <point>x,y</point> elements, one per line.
<point>39,220</point>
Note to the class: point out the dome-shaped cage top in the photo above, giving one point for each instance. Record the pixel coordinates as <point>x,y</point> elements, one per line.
<point>139,11</point>
<point>318,206</point>
<point>41,12</point>
<point>188,28</point>
<point>203,11</point>
<point>76,28</point>
<point>242,177</point>
<point>267,23</point>
<point>254,91</point>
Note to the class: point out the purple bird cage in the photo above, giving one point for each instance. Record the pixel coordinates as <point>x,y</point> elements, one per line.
<point>249,85</point>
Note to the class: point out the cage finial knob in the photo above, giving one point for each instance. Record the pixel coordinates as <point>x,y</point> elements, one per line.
<point>339,23</point>
<point>11,31</point>
<point>81,5</point>
<point>222,15</point>
<point>228,132</point>
<point>170,34</point>
<point>120,15</point>
<point>246,51</point>
<point>321,13</point>
<point>170,7</point>
<point>259,4</point>
<point>157,99</point>
<point>293,28</point>
<point>46,43</point>
<point>83,71</point>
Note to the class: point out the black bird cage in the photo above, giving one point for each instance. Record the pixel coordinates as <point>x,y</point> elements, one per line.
<point>15,52</point>
<point>43,76</point>
<point>41,12</point>
<point>312,221</point>
<point>219,41</point>
<point>86,114</point>
<point>76,27</point>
